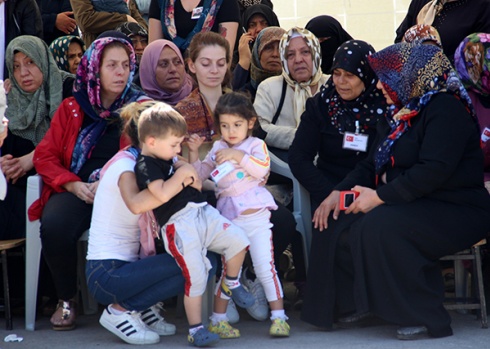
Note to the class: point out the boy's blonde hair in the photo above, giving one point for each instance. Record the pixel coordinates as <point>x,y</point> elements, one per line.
<point>130,115</point>
<point>160,121</point>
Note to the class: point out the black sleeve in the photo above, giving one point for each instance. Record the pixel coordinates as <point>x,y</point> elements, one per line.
<point>410,18</point>
<point>303,150</point>
<point>154,11</point>
<point>446,128</point>
<point>228,12</point>
<point>68,87</point>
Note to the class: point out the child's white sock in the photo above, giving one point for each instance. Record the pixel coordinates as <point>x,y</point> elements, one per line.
<point>232,282</point>
<point>194,328</point>
<point>217,317</point>
<point>278,314</point>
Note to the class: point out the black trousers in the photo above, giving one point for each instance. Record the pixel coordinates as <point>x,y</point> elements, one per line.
<point>65,217</point>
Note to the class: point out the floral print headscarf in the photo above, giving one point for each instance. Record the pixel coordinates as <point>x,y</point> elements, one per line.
<point>87,92</point>
<point>472,61</point>
<point>412,74</point>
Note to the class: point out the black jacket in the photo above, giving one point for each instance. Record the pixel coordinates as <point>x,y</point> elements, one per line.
<point>49,10</point>
<point>22,17</point>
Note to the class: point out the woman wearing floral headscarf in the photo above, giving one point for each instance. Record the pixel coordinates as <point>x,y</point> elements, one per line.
<point>37,89</point>
<point>67,52</point>
<point>420,186</point>
<point>301,75</point>
<point>472,61</point>
<point>85,133</point>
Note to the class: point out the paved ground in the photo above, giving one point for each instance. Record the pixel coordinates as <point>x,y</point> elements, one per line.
<point>89,334</point>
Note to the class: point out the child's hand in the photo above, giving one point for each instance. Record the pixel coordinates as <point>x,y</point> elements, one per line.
<point>187,170</point>
<point>194,142</point>
<point>228,155</point>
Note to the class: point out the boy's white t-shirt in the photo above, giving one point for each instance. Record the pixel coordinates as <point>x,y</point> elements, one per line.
<point>114,231</point>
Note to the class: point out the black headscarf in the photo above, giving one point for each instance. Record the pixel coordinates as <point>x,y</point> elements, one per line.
<point>352,56</point>
<point>263,10</point>
<point>326,26</point>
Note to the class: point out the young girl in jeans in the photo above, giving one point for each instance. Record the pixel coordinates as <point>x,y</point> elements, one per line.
<point>238,163</point>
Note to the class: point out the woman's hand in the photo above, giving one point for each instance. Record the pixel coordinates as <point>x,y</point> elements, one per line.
<point>365,202</point>
<point>320,217</point>
<point>83,191</point>
<point>244,53</point>
<point>15,168</point>
<point>228,155</point>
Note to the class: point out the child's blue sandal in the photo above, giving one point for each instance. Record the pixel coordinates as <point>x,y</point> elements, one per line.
<point>240,295</point>
<point>202,338</point>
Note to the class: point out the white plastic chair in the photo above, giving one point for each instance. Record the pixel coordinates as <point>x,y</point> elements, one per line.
<point>33,258</point>
<point>301,204</point>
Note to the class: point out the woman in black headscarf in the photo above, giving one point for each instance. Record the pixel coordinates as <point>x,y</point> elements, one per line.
<point>349,105</point>
<point>254,19</point>
<point>331,35</point>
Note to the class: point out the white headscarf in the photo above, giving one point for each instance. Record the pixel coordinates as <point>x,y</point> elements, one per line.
<point>302,90</point>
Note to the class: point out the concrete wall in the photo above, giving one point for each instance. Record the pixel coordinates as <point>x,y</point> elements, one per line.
<point>374,21</point>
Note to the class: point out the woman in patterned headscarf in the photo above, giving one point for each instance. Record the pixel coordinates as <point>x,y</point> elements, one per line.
<point>67,52</point>
<point>453,19</point>
<point>37,89</point>
<point>301,78</point>
<point>84,134</point>
<point>265,58</point>
<point>472,61</point>
<point>423,34</point>
<point>422,184</point>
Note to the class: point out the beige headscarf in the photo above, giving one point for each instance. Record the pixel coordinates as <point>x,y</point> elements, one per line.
<point>429,12</point>
<point>302,90</point>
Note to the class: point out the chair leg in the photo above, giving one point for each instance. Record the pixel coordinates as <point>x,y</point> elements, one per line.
<point>6,292</point>
<point>481,291</point>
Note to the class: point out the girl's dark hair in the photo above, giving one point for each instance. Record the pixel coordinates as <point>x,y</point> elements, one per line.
<point>203,39</point>
<point>235,103</point>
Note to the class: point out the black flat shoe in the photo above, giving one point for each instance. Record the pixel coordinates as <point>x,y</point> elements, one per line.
<point>412,333</point>
<point>355,320</point>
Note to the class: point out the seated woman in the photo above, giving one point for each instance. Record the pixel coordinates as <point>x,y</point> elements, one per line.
<point>85,133</point>
<point>180,20</point>
<point>349,105</point>
<point>254,20</point>
<point>421,197</point>
<point>472,62</point>
<point>266,61</point>
<point>301,78</point>
<point>130,286</point>
<point>67,51</point>
<point>331,35</point>
<point>37,88</point>
<point>162,73</point>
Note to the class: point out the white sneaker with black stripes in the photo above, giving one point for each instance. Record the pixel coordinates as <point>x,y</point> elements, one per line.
<point>154,320</point>
<point>129,327</point>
